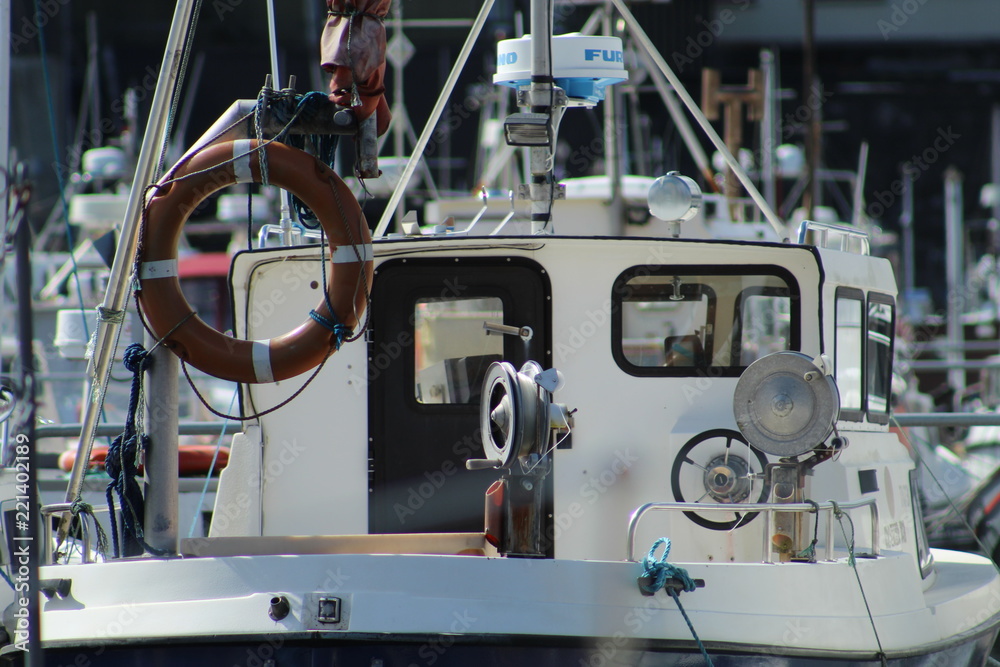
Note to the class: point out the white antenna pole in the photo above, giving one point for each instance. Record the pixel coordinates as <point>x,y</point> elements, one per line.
<point>286,207</point>
<point>540,97</point>
<point>4,141</point>
<point>273,43</point>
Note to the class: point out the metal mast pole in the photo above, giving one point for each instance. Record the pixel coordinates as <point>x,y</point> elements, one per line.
<point>541,96</point>
<point>906,224</point>
<point>995,159</point>
<point>810,198</point>
<point>112,310</point>
<point>4,142</point>
<point>955,270</point>
<point>769,126</point>
<point>612,147</point>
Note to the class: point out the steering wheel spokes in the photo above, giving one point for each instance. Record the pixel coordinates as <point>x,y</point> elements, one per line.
<point>719,467</point>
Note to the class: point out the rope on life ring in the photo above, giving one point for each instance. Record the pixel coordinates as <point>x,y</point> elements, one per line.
<point>171,318</point>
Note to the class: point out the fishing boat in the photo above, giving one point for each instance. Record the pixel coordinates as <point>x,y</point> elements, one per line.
<point>517,445</point>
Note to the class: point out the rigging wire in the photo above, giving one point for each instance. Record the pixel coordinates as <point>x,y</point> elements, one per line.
<point>211,467</point>
<point>951,503</point>
<point>60,183</point>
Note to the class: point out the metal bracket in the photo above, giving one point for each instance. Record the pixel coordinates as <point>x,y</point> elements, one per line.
<point>559,97</point>
<point>325,611</point>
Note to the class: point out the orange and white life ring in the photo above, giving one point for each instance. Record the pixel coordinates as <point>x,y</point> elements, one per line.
<point>170,316</point>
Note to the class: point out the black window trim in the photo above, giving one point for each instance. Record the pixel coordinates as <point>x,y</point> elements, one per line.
<point>617,290</point>
<point>885,299</point>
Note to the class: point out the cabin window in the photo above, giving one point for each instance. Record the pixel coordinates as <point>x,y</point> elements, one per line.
<point>763,316</point>
<point>690,320</point>
<point>848,346</point>
<point>453,349</point>
<point>881,326</point>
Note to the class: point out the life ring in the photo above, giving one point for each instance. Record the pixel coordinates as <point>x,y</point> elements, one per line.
<point>191,459</point>
<point>169,315</point>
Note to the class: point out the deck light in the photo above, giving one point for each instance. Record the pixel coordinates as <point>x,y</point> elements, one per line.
<point>674,199</point>
<point>527,129</point>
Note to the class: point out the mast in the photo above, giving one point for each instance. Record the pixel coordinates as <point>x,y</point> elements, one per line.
<point>541,96</point>
<point>955,270</point>
<point>4,140</point>
<point>810,198</point>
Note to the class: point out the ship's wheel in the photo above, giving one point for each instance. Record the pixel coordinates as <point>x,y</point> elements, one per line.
<point>719,466</point>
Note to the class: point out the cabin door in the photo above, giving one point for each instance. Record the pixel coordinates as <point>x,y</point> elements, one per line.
<point>428,354</point>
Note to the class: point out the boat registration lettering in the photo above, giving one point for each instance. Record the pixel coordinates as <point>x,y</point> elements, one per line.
<point>894,534</point>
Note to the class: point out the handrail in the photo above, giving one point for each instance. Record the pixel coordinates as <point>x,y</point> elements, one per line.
<point>768,509</point>
<point>946,418</point>
<point>105,430</point>
<point>825,228</point>
<point>58,508</point>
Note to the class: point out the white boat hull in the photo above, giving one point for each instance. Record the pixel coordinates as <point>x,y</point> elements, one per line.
<point>418,609</point>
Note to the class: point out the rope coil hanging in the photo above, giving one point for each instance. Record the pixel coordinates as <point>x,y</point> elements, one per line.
<point>122,464</point>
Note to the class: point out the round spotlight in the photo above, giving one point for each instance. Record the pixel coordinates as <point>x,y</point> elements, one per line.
<point>674,198</point>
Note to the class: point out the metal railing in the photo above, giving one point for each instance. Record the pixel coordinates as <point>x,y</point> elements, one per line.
<point>768,509</point>
<point>61,508</point>
<point>826,232</point>
<point>104,430</point>
<point>946,418</point>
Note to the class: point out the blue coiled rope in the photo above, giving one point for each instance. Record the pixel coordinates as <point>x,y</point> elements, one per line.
<point>658,571</point>
<point>122,467</point>
<point>654,577</point>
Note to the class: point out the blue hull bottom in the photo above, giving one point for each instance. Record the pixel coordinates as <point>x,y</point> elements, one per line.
<point>451,651</point>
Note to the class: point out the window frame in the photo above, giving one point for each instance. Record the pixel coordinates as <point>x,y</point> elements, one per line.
<point>416,339</point>
<point>869,368</point>
<point>617,325</point>
<point>853,294</point>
